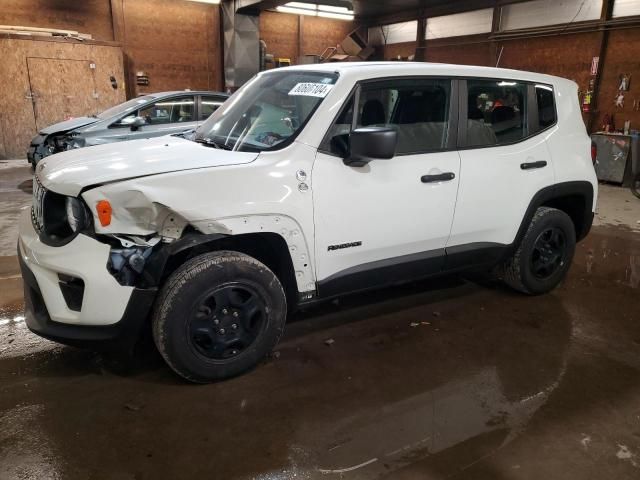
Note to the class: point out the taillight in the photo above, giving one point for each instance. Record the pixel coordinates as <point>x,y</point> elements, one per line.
<point>594,152</point>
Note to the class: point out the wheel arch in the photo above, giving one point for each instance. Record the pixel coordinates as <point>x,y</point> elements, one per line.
<point>267,247</point>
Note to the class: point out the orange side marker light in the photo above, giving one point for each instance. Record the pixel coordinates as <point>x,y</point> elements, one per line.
<point>103,208</point>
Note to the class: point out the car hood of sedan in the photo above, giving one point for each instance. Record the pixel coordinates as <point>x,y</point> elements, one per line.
<point>67,125</point>
<point>68,173</point>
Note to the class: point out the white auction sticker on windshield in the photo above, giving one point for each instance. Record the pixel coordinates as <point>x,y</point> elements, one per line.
<point>311,89</point>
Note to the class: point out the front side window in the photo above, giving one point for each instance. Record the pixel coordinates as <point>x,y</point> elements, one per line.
<point>267,111</point>
<point>128,106</point>
<point>417,109</point>
<point>546,106</point>
<point>172,110</point>
<point>496,112</point>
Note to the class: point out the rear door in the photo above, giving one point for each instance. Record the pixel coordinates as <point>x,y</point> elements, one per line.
<point>390,219</point>
<point>166,116</point>
<point>505,161</point>
<point>208,104</point>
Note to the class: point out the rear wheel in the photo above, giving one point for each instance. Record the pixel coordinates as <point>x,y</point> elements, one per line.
<point>218,315</point>
<point>544,255</point>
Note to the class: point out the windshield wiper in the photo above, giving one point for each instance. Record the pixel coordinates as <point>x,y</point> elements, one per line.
<point>212,143</point>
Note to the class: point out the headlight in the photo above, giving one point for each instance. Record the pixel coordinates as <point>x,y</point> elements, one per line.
<point>73,143</point>
<point>76,214</point>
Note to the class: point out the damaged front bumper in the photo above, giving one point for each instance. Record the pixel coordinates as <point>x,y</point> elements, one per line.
<point>71,297</point>
<point>38,149</point>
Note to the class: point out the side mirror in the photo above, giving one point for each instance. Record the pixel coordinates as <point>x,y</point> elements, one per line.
<point>137,123</point>
<point>371,143</point>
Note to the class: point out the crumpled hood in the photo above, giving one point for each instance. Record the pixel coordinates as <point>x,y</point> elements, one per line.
<point>69,172</point>
<point>68,125</point>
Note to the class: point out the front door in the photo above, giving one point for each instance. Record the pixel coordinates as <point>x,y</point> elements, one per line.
<point>389,220</point>
<point>166,116</point>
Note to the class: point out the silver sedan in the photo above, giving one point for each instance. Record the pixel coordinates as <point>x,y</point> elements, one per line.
<point>148,116</point>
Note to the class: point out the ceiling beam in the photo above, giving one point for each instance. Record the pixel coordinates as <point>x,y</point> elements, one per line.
<point>444,8</point>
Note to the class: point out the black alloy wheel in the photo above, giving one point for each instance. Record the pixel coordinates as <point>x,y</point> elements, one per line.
<point>226,321</point>
<point>548,253</point>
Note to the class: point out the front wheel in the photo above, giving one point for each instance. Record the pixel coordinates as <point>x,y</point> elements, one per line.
<point>544,254</point>
<point>218,315</point>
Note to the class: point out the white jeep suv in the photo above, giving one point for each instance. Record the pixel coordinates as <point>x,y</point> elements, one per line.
<point>310,182</point>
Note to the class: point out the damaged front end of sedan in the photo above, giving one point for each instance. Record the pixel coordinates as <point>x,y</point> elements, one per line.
<point>43,145</point>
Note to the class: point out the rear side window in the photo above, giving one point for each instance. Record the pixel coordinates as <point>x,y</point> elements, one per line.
<point>173,110</point>
<point>208,105</point>
<point>496,112</point>
<point>546,106</point>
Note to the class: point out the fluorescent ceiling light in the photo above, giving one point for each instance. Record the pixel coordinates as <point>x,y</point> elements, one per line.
<point>339,16</point>
<point>297,11</point>
<point>315,10</point>
<point>331,8</point>
<point>214,2</point>
<point>310,6</point>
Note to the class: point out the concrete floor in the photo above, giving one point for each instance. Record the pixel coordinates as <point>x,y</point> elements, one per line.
<point>486,384</point>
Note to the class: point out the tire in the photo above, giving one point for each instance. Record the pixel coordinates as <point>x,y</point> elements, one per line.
<point>537,266</point>
<point>635,186</point>
<point>218,315</point>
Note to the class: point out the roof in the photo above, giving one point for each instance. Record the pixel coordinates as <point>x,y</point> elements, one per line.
<point>381,69</point>
<point>177,92</point>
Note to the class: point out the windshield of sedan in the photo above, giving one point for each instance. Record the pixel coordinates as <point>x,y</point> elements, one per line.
<point>266,112</point>
<point>125,107</point>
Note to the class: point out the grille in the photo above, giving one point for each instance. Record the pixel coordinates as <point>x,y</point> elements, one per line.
<point>37,208</point>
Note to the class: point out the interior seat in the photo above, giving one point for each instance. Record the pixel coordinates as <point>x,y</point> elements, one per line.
<point>373,113</point>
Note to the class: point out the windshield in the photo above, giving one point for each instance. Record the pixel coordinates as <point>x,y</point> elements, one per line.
<point>124,107</point>
<point>270,109</point>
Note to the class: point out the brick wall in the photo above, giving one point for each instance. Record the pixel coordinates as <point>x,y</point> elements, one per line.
<point>469,54</point>
<point>404,50</point>
<point>176,43</point>
<point>320,33</point>
<point>280,32</point>
<point>87,16</point>
<point>622,56</point>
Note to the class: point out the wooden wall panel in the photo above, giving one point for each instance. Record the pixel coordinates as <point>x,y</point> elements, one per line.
<point>17,121</point>
<point>86,16</point>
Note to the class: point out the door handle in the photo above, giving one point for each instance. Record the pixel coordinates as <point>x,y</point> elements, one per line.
<point>532,165</point>
<point>440,177</point>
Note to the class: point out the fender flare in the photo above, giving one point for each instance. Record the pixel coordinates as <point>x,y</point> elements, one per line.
<point>581,188</point>
<point>282,225</point>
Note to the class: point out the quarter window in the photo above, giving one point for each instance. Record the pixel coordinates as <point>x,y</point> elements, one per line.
<point>546,106</point>
<point>496,112</point>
